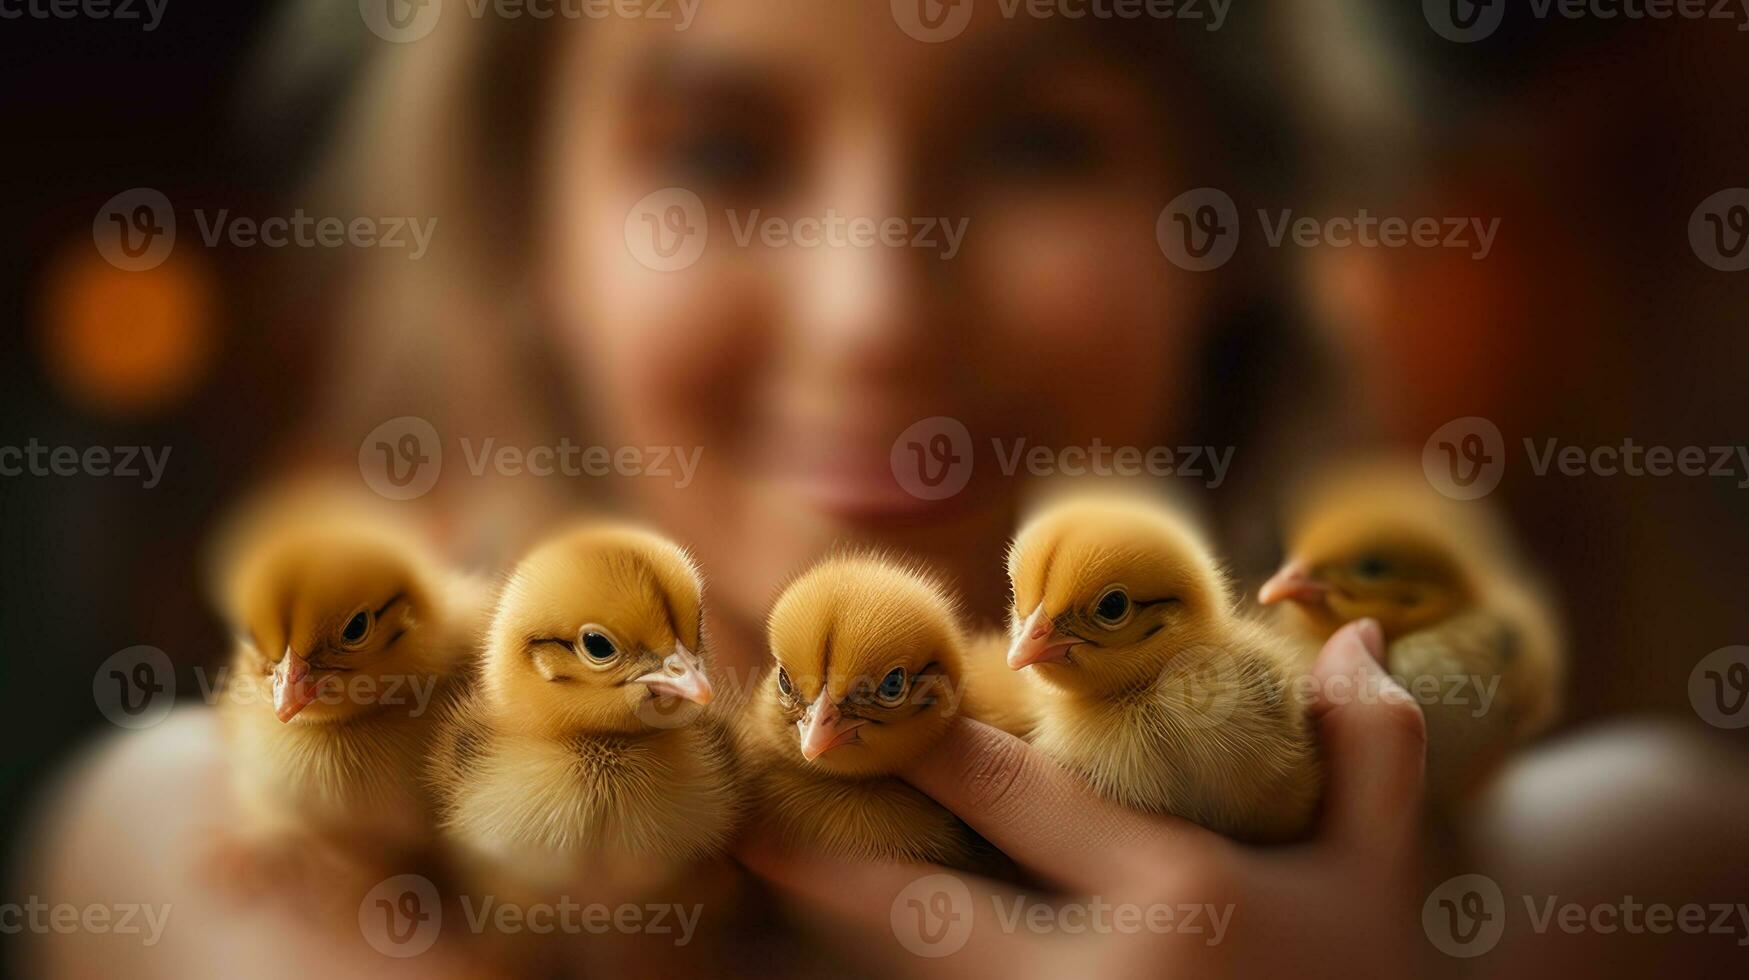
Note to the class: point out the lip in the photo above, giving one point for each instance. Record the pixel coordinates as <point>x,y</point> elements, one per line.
<point>876,500</point>
<point>852,481</point>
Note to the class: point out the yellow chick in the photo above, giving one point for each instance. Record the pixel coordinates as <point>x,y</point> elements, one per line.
<point>994,694</point>
<point>351,639</point>
<point>1152,685</point>
<point>1468,633</point>
<point>866,679</point>
<point>585,752</point>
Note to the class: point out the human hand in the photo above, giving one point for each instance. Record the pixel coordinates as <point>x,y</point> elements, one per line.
<point>1141,894</point>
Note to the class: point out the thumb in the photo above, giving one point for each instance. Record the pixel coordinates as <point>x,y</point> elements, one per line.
<point>1374,740</point>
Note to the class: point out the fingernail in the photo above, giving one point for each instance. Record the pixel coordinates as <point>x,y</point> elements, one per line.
<point>1373,638</point>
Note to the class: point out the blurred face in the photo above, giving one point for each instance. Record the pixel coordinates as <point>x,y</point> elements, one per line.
<point>892,231</point>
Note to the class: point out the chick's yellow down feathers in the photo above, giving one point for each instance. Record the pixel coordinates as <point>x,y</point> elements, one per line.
<point>1469,634</point>
<point>587,747</point>
<point>866,678</point>
<point>1150,683</point>
<point>351,638</point>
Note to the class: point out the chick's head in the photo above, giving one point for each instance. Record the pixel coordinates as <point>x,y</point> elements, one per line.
<point>598,632</point>
<point>1107,590</point>
<point>1378,542</point>
<point>868,665</point>
<point>338,618</point>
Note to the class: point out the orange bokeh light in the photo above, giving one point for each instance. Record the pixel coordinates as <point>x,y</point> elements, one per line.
<point>127,344</point>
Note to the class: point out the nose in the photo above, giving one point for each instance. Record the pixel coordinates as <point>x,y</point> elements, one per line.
<point>870,304</point>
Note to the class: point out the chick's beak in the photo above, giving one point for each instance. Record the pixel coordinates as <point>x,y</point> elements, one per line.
<point>1293,582</point>
<point>1036,642</point>
<point>824,728</point>
<point>681,675</point>
<point>293,690</point>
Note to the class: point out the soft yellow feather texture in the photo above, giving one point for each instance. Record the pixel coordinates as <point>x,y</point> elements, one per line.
<point>1184,706</point>
<point>1469,630</point>
<point>558,768</point>
<point>837,630</point>
<point>345,770</point>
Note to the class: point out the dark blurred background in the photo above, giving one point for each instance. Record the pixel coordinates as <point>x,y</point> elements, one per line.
<point>1593,140</point>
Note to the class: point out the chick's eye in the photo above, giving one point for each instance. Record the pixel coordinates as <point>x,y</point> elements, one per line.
<point>783,683</point>
<point>892,687</point>
<point>1371,566</point>
<point>356,627</point>
<point>1112,607</point>
<point>598,647</point>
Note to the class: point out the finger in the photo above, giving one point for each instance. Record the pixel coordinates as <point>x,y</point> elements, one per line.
<point>916,920</point>
<point>1045,817</point>
<point>1374,740</point>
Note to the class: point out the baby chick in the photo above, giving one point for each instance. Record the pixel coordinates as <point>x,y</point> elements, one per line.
<point>585,751</point>
<point>1468,633</point>
<point>867,677</point>
<point>351,639</point>
<point>1153,686</point>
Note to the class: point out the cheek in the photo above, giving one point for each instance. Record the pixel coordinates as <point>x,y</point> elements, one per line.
<point>663,356</point>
